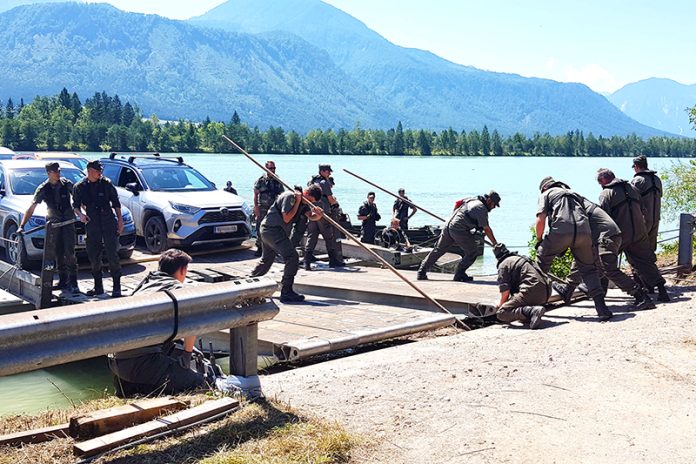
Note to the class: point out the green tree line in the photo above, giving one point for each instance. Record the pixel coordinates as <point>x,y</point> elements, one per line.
<point>105,123</point>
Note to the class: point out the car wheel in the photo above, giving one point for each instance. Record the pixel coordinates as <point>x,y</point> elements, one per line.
<point>155,235</point>
<point>14,251</point>
<point>125,254</point>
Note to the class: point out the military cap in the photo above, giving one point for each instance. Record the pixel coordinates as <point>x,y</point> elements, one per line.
<point>500,251</point>
<point>545,182</point>
<point>52,166</point>
<point>495,197</point>
<point>96,164</point>
<point>325,167</point>
<point>641,161</point>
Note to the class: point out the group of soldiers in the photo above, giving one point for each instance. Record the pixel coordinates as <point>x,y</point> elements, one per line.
<point>95,202</point>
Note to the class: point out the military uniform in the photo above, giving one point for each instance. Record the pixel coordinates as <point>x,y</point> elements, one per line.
<point>154,368</point>
<point>268,188</point>
<point>400,210</point>
<point>57,198</point>
<point>649,186</point>
<point>529,289</point>
<point>322,226</point>
<point>369,225</point>
<point>469,219</point>
<point>276,235</point>
<point>100,199</point>
<point>622,202</point>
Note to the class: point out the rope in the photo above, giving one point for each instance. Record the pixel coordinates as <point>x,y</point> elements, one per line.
<point>668,239</point>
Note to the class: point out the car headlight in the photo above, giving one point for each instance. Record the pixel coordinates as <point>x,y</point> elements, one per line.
<point>36,221</point>
<point>127,217</point>
<point>186,209</point>
<point>247,209</point>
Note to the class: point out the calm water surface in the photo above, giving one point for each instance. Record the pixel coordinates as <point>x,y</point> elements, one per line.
<point>435,183</point>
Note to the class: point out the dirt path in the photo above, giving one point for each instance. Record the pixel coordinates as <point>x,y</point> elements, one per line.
<point>577,391</point>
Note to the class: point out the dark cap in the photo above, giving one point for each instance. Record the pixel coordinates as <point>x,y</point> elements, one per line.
<point>96,164</point>
<point>325,167</point>
<point>53,166</point>
<point>495,197</point>
<point>641,161</point>
<point>500,251</point>
<point>545,182</point>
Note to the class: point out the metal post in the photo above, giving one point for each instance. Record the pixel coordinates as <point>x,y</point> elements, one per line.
<point>686,244</point>
<point>244,348</point>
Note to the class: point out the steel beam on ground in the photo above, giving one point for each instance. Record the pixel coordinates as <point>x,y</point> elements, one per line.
<point>48,337</point>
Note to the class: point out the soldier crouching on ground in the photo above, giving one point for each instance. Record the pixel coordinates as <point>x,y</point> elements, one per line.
<point>276,232</point>
<point>523,288</point>
<point>157,368</point>
<point>394,237</point>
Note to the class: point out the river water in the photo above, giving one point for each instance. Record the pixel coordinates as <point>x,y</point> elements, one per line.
<point>434,183</point>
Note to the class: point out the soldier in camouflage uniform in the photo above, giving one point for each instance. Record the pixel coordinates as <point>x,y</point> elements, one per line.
<point>266,190</point>
<point>330,206</point>
<point>649,186</point>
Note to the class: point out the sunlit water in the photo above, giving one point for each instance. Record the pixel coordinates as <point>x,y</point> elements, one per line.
<point>434,183</point>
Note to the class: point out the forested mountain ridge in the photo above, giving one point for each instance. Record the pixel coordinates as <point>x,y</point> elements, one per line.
<point>177,70</point>
<point>660,103</point>
<point>426,90</point>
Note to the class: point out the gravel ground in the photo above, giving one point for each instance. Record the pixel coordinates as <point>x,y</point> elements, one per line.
<point>575,391</point>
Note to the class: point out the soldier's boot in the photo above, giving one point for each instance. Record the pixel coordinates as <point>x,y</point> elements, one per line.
<point>601,308</point>
<point>533,315</point>
<point>662,295</point>
<point>116,291</point>
<point>307,263</point>
<point>565,291</point>
<point>98,286</point>
<point>422,275</point>
<point>63,282</point>
<point>643,301</point>
<point>335,260</point>
<point>74,287</point>
<point>462,276</point>
<point>287,294</point>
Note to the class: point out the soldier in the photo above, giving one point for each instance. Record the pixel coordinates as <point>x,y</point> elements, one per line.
<point>394,237</point>
<point>369,216</point>
<point>100,200</point>
<point>524,288</point>
<point>569,227</point>
<point>467,221</point>
<point>649,186</point>
<point>155,368</point>
<point>607,237</point>
<point>400,210</point>
<point>330,206</point>
<point>56,191</point>
<point>276,230</point>
<point>229,188</point>
<point>266,190</point>
<point>622,202</point>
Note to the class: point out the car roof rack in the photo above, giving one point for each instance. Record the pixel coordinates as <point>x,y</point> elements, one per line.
<point>152,156</point>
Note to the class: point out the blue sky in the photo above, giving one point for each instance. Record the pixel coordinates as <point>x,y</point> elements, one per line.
<point>604,44</point>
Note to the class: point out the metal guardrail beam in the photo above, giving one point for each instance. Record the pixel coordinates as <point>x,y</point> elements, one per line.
<point>685,258</point>
<point>48,337</point>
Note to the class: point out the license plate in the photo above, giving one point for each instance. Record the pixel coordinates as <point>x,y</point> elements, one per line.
<point>81,239</point>
<point>225,229</point>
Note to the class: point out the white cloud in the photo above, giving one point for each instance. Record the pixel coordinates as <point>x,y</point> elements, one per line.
<point>594,76</point>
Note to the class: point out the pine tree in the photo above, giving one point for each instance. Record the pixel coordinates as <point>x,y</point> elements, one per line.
<point>485,141</point>
<point>10,109</point>
<point>398,147</point>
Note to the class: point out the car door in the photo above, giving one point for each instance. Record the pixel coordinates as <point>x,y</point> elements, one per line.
<point>5,212</point>
<point>134,202</point>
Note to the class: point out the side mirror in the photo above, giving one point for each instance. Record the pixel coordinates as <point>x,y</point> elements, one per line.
<point>133,187</point>
<point>2,191</point>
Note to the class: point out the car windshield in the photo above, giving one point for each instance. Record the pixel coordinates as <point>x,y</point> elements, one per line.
<point>25,181</point>
<point>176,179</point>
<point>79,162</point>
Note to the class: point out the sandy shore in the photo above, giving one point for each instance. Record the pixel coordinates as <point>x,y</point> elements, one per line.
<point>576,391</point>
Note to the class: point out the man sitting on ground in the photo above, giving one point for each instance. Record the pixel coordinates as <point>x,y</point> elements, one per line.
<point>158,368</point>
<point>394,237</point>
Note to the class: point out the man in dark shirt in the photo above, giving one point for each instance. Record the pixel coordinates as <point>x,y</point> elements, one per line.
<point>99,199</point>
<point>400,209</point>
<point>394,237</point>
<point>649,186</point>
<point>229,189</point>
<point>276,230</point>
<point>330,206</point>
<point>266,190</point>
<point>56,192</point>
<point>369,216</point>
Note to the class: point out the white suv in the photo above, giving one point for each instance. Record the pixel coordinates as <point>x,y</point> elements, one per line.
<point>175,205</point>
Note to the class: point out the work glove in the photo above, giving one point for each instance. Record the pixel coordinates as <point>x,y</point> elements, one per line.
<point>537,244</point>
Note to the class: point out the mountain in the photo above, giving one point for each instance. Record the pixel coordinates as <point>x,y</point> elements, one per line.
<point>176,70</point>
<point>424,89</point>
<point>6,5</point>
<point>659,103</point>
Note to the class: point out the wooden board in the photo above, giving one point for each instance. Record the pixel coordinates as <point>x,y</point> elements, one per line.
<point>35,436</point>
<point>180,419</point>
<point>400,260</point>
<point>109,420</point>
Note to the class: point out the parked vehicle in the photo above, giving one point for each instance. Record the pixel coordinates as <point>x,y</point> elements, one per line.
<point>18,182</point>
<point>47,156</point>
<point>175,205</point>
<point>6,153</point>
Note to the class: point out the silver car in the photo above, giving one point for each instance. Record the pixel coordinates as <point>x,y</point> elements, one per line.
<point>18,182</point>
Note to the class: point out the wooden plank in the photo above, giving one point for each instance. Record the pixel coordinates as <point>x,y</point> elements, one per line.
<point>35,436</point>
<point>173,421</point>
<point>109,420</point>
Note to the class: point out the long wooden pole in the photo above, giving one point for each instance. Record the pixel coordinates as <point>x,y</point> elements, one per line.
<point>396,196</point>
<point>351,237</point>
